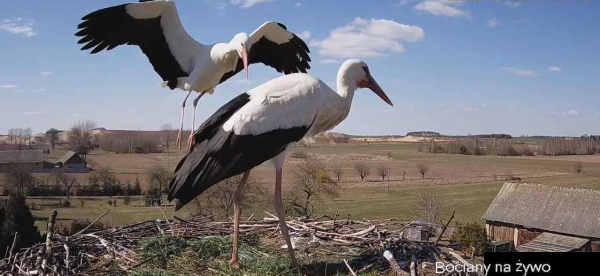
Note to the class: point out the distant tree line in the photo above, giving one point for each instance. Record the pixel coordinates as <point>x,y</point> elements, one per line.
<point>102,183</point>
<point>493,135</point>
<point>20,136</point>
<point>508,147</point>
<point>424,134</point>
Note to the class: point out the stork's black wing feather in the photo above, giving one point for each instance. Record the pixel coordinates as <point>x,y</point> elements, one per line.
<point>110,27</point>
<point>219,154</point>
<point>289,57</point>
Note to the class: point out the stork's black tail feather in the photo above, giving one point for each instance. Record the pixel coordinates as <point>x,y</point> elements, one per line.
<point>189,169</point>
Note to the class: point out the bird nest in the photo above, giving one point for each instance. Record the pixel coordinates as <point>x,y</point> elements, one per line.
<point>357,245</point>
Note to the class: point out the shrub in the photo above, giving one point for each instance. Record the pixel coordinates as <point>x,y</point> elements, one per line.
<point>578,167</point>
<point>127,200</point>
<point>299,154</point>
<point>65,204</point>
<point>110,202</point>
<point>469,236</point>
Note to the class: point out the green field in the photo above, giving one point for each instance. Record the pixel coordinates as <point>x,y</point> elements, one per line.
<point>465,184</point>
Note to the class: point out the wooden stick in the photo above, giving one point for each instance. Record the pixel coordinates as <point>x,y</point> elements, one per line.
<point>93,222</point>
<point>444,229</point>
<point>49,233</point>
<point>349,268</point>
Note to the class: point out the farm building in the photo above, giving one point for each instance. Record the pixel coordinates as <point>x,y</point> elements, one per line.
<point>545,218</point>
<point>72,162</point>
<point>33,159</point>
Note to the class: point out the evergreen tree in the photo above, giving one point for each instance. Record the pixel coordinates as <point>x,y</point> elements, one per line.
<point>18,219</point>
<point>2,241</point>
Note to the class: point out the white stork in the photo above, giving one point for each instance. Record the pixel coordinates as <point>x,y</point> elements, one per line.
<point>258,126</point>
<point>181,61</point>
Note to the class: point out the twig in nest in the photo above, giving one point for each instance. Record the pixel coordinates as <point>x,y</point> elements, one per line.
<point>349,268</point>
<point>91,224</point>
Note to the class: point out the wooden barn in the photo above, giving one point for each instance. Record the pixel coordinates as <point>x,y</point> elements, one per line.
<point>542,218</point>
<point>33,160</point>
<point>72,162</point>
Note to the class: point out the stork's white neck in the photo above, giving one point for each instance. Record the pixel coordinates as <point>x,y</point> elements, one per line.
<point>346,84</point>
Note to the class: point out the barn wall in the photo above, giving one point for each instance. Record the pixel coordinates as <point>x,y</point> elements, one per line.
<point>497,231</point>
<point>595,246</point>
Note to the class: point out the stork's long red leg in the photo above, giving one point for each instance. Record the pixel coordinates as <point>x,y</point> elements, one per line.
<point>237,212</point>
<point>178,142</point>
<point>281,216</point>
<point>191,137</point>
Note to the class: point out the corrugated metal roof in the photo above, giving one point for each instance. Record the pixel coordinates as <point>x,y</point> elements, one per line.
<point>21,156</point>
<point>557,209</point>
<point>549,242</point>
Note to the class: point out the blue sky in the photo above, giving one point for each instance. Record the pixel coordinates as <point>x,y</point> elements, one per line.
<point>457,67</point>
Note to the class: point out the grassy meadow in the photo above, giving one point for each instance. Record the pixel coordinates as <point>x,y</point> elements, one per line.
<point>466,184</point>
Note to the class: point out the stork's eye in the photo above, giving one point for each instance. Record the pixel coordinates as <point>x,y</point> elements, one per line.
<point>366,69</point>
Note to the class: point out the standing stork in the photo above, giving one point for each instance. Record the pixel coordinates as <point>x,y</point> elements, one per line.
<point>259,125</point>
<point>183,62</point>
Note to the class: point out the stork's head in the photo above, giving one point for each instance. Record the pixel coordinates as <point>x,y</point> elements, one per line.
<point>358,72</point>
<point>238,43</point>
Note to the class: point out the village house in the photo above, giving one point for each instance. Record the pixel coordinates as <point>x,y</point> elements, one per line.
<point>542,218</point>
<point>32,159</point>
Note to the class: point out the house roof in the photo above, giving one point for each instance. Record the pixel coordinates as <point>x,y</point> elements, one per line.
<point>549,242</point>
<point>67,156</point>
<point>21,156</point>
<point>552,208</point>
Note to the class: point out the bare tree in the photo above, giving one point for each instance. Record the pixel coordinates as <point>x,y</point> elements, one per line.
<point>362,169</point>
<point>422,168</point>
<point>578,167</point>
<point>160,177</point>
<point>311,183</point>
<point>403,175</point>
<point>82,138</point>
<point>383,171</point>
<point>429,206</point>
<point>218,200</point>
<point>337,171</point>
<point>66,180</point>
<point>18,177</point>
<point>52,135</point>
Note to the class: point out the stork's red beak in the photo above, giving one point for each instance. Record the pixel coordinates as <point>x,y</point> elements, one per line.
<point>372,84</point>
<point>245,60</point>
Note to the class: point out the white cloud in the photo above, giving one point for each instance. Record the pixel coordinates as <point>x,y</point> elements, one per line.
<point>248,3</point>
<point>570,112</point>
<point>329,61</point>
<point>367,38</point>
<point>518,72</point>
<point>403,2</point>
<point>554,69</point>
<point>304,35</point>
<point>493,23</point>
<point>298,4</point>
<point>8,86</point>
<point>18,26</point>
<point>40,90</point>
<point>442,8</point>
<point>483,105</point>
<point>513,3</point>
<point>46,73</point>
<point>464,107</point>
<point>34,113</point>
